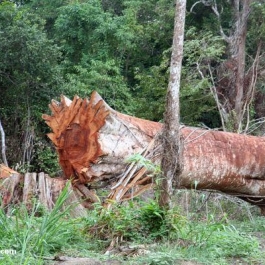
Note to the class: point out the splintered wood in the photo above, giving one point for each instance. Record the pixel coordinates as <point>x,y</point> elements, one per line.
<point>94,142</point>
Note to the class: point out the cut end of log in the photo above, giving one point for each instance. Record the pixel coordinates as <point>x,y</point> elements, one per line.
<point>75,125</point>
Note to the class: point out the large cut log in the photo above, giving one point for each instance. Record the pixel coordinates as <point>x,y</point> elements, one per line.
<point>94,143</point>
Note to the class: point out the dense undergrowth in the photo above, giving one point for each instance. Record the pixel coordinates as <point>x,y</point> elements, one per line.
<point>204,229</point>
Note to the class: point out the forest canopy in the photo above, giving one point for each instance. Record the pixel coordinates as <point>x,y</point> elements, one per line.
<point>122,50</point>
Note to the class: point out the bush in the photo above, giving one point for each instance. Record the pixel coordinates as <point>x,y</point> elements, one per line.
<point>134,221</point>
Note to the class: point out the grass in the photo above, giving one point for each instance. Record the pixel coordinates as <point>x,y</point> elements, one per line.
<point>203,229</point>
<point>36,233</point>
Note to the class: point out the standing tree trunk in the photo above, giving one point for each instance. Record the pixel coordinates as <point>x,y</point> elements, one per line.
<point>237,44</point>
<point>3,144</point>
<point>171,162</point>
<point>234,88</point>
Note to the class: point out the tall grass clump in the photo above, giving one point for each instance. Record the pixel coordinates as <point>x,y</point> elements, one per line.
<point>37,232</point>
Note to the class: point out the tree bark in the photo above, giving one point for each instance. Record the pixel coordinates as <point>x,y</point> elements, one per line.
<point>3,144</point>
<point>235,65</point>
<point>233,84</point>
<point>93,142</point>
<point>237,45</point>
<point>171,164</point>
<point>16,188</point>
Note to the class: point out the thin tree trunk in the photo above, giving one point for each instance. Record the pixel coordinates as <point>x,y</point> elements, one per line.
<point>232,73</point>
<point>3,144</point>
<point>238,50</point>
<point>171,163</point>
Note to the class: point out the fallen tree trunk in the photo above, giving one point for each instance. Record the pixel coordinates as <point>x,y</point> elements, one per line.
<point>93,142</point>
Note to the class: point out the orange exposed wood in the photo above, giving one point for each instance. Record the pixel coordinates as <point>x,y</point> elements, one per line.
<point>6,172</point>
<point>9,181</point>
<point>75,134</point>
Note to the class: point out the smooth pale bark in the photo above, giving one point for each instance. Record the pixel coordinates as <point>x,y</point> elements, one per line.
<point>96,154</point>
<point>171,163</point>
<point>3,144</point>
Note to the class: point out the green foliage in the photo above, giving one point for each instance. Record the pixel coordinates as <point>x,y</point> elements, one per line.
<point>164,256</point>
<point>256,28</point>
<point>82,27</point>
<point>117,222</point>
<point>29,75</point>
<point>48,10</point>
<point>152,84</point>
<point>122,50</point>
<point>87,39</point>
<point>144,162</point>
<point>217,242</point>
<point>202,48</point>
<point>134,222</point>
<point>45,158</point>
<point>105,78</point>
<point>28,61</point>
<point>202,51</point>
<point>202,238</point>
